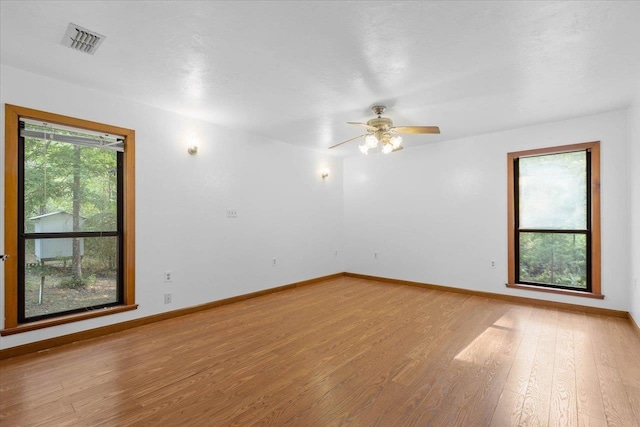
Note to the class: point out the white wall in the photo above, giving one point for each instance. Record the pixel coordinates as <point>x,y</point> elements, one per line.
<point>438,213</point>
<point>285,209</point>
<point>634,201</point>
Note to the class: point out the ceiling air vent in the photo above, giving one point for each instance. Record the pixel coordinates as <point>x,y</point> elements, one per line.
<point>81,39</point>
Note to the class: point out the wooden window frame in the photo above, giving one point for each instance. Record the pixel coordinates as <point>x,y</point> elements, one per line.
<point>594,149</point>
<point>11,221</point>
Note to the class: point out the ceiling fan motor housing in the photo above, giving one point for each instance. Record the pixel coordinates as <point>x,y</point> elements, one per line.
<point>381,123</point>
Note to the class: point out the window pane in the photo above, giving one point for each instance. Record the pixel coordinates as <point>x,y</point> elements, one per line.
<point>554,258</point>
<point>553,192</point>
<point>57,172</point>
<point>89,281</point>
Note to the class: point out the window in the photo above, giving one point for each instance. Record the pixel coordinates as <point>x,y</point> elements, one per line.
<point>554,219</point>
<point>69,222</point>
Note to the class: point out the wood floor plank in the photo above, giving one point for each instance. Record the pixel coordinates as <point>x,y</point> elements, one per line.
<point>446,365</point>
<point>535,409</point>
<point>619,337</point>
<point>617,403</point>
<point>346,351</point>
<point>589,397</point>
<point>564,408</point>
<point>32,413</point>
<point>587,421</point>
<point>603,353</point>
<point>480,407</point>
<point>379,370</point>
<point>508,409</point>
<point>449,415</point>
<point>634,400</point>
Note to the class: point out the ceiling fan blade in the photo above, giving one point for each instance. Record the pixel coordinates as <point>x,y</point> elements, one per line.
<point>397,149</point>
<point>416,129</point>
<point>348,140</point>
<point>371,128</point>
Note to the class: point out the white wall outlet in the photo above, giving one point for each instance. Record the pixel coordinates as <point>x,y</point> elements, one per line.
<point>375,255</point>
<point>167,277</point>
<point>274,262</point>
<point>167,298</point>
<point>232,213</point>
<point>335,254</point>
<point>493,264</point>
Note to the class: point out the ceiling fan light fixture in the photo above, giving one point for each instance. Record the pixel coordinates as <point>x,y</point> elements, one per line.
<point>371,141</point>
<point>396,141</point>
<point>364,149</point>
<point>387,148</point>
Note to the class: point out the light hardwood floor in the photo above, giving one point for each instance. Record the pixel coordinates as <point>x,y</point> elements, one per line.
<point>342,352</point>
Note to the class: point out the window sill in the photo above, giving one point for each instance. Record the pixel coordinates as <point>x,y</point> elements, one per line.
<point>555,291</point>
<point>32,326</point>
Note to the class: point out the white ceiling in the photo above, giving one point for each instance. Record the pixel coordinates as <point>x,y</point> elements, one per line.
<point>296,71</point>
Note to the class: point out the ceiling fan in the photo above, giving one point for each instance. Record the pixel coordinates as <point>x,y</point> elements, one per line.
<point>382,131</point>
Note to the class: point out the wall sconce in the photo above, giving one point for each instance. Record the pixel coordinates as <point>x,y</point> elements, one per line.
<point>325,173</point>
<point>192,150</point>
